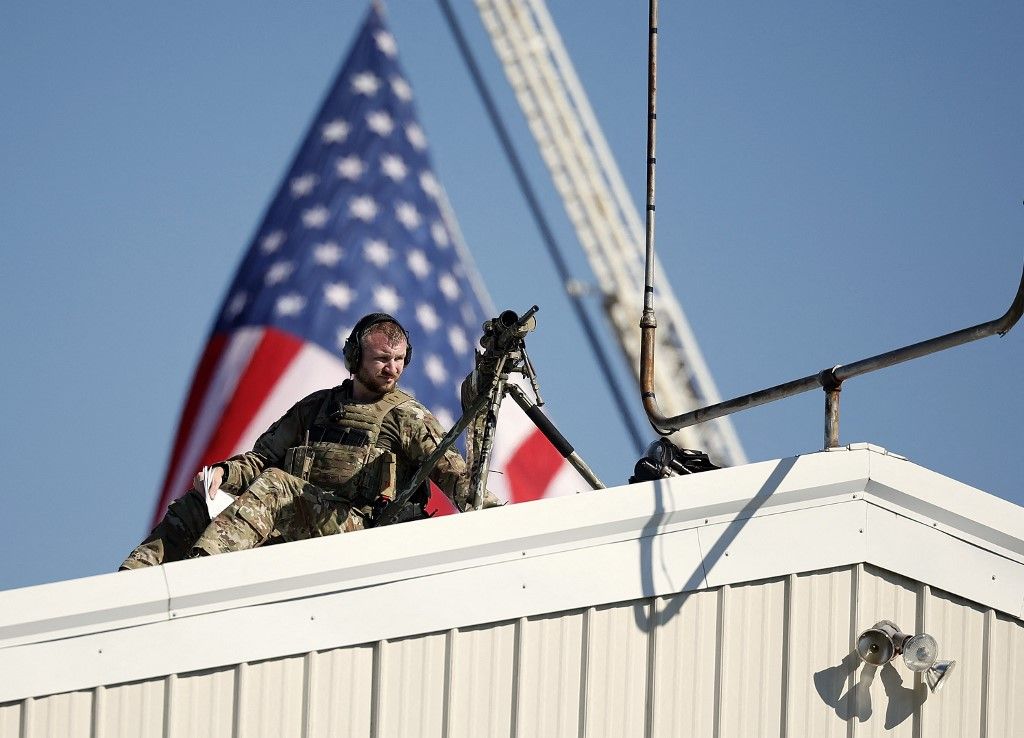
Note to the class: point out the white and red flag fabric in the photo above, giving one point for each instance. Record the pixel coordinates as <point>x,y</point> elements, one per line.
<point>360,224</point>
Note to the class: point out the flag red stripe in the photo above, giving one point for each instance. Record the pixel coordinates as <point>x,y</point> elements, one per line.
<point>438,504</point>
<point>197,394</point>
<point>269,361</point>
<point>532,467</point>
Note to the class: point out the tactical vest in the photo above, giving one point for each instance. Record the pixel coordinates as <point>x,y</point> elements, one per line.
<point>345,453</point>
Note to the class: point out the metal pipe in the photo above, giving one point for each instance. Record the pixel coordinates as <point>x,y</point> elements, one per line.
<point>648,321</point>
<point>652,130</point>
<point>834,377</point>
<point>832,417</point>
<point>829,379</point>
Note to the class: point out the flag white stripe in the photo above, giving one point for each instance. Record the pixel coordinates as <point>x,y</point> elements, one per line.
<point>312,369</point>
<point>233,362</point>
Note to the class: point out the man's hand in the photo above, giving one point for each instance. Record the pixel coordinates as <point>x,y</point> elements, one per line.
<point>216,477</point>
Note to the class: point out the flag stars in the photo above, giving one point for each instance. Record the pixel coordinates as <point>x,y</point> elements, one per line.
<point>439,233</point>
<point>457,339</point>
<point>418,263</point>
<point>327,254</point>
<point>386,43</point>
<point>364,208</point>
<point>335,131</point>
<point>290,305</point>
<point>433,367</point>
<point>429,184</point>
<point>237,304</point>
<point>416,137</point>
<point>444,417</point>
<point>449,287</point>
<point>350,167</point>
<point>339,295</point>
<point>302,186</point>
<point>365,83</point>
<point>315,217</point>
<point>380,123</point>
<point>278,272</point>
<point>401,89</point>
<point>393,167</point>
<point>272,242</point>
<point>407,215</point>
<point>386,298</point>
<point>377,253</point>
<point>427,317</point>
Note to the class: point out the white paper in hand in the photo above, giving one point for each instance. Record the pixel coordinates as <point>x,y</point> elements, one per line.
<point>220,500</point>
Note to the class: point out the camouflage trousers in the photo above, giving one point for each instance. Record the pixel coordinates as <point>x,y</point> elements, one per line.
<point>185,520</point>
<point>280,506</point>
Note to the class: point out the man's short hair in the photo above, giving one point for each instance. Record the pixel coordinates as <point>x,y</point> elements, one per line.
<point>392,331</point>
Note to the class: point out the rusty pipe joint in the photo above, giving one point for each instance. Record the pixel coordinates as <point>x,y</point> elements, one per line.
<point>648,324</point>
<point>829,381</point>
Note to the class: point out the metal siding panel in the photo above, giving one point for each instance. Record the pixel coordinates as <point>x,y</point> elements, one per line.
<point>10,720</point>
<point>202,703</point>
<point>751,643</point>
<point>481,681</point>
<point>412,687</point>
<point>340,692</point>
<point>549,675</point>
<point>959,629</point>
<point>821,659</point>
<point>1006,685</point>
<point>882,595</point>
<point>617,670</point>
<point>271,698</point>
<point>684,664</point>
<point>132,710</point>
<point>67,715</point>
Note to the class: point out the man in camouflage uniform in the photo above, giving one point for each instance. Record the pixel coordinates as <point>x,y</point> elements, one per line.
<point>323,466</point>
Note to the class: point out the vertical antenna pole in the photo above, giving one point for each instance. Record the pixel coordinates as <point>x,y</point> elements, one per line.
<point>652,121</point>
<point>648,322</point>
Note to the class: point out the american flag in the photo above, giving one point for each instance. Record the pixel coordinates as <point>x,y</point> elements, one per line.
<point>360,224</point>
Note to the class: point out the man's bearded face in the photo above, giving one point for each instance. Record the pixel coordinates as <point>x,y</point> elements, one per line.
<point>382,364</point>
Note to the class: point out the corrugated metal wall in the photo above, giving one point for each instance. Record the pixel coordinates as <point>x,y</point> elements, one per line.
<point>771,658</point>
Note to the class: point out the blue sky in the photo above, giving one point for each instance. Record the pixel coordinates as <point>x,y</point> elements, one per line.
<point>834,180</point>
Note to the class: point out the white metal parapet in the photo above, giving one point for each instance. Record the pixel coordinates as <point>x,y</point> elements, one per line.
<point>657,539</point>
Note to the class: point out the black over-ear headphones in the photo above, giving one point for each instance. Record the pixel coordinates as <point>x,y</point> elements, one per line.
<point>353,349</point>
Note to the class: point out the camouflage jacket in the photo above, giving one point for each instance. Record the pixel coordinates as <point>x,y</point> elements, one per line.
<point>408,430</point>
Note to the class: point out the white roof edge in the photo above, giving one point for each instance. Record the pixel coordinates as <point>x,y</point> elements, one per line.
<point>828,509</point>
